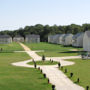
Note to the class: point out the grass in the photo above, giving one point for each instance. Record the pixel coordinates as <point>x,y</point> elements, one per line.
<point>19,78</point>
<point>11,47</point>
<point>44,63</point>
<point>80,70</point>
<point>53,50</point>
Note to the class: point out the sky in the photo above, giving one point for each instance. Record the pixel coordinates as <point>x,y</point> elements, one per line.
<point>15,14</point>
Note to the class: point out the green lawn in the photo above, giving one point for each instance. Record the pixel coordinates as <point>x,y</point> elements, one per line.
<point>44,63</point>
<point>11,47</point>
<point>80,70</point>
<point>19,78</point>
<point>53,50</point>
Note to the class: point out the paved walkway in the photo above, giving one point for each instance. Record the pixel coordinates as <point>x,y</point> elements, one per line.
<point>57,77</point>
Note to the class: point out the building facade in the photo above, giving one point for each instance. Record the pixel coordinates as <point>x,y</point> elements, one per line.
<point>5,39</point>
<point>18,38</point>
<point>77,40</point>
<point>60,39</point>
<point>32,38</point>
<point>67,39</point>
<point>86,41</point>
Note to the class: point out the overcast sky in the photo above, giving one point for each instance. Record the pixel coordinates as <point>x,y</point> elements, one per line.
<point>19,13</point>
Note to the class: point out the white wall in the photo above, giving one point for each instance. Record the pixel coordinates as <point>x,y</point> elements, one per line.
<point>68,40</point>
<point>86,43</point>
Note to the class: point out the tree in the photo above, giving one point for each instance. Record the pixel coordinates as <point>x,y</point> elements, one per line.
<point>86,27</point>
<point>45,30</point>
<point>43,57</point>
<point>75,28</point>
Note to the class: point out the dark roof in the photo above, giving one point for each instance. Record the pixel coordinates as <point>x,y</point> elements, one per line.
<point>5,36</point>
<point>67,35</point>
<point>77,35</point>
<point>33,35</point>
<point>62,35</point>
<point>88,33</point>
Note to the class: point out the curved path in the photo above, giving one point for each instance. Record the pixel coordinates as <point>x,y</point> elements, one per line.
<point>56,77</point>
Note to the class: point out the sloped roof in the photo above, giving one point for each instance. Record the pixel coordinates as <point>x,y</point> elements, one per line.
<point>67,35</point>
<point>54,36</point>
<point>33,35</point>
<point>62,36</point>
<point>18,36</point>
<point>77,35</point>
<point>5,36</point>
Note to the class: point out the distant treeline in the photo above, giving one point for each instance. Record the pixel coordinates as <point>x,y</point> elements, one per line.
<point>45,30</point>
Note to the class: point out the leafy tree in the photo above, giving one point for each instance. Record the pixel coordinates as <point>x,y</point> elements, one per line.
<point>86,27</point>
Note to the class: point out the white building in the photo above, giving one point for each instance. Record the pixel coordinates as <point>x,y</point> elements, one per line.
<point>32,38</point>
<point>67,39</point>
<point>77,40</point>
<point>18,38</point>
<point>60,39</point>
<point>50,38</point>
<point>5,39</point>
<point>86,41</point>
<point>55,38</point>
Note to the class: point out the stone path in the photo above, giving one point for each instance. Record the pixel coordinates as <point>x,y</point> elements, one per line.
<point>56,76</point>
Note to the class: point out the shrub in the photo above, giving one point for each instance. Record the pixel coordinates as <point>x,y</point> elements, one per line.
<point>43,58</point>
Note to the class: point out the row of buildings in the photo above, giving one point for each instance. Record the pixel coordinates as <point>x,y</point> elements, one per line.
<point>67,39</point>
<point>6,39</point>
<point>78,40</point>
